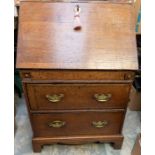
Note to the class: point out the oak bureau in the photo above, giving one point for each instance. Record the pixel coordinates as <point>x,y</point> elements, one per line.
<point>76,82</point>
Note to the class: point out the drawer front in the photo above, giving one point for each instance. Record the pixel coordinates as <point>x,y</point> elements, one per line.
<point>76,75</point>
<point>77,123</point>
<point>77,96</point>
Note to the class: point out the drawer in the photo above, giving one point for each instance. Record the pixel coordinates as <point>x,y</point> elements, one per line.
<point>77,123</point>
<point>76,75</point>
<point>77,96</point>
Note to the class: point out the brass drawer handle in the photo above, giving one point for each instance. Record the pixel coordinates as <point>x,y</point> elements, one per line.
<point>56,124</point>
<point>99,124</point>
<point>102,97</point>
<point>55,98</point>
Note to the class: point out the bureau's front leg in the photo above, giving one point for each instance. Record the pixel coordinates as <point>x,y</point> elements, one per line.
<point>36,146</point>
<point>117,144</point>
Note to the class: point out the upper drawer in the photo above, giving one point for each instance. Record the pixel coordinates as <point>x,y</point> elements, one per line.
<point>76,75</point>
<point>77,96</point>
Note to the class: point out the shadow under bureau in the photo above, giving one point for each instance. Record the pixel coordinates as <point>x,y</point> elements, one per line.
<point>76,83</point>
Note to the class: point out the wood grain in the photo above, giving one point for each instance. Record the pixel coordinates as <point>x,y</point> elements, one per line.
<point>47,40</point>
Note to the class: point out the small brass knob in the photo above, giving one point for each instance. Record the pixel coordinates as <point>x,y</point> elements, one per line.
<point>128,76</point>
<point>27,75</point>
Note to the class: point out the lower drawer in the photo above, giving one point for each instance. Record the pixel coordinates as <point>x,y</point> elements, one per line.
<point>77,123</point>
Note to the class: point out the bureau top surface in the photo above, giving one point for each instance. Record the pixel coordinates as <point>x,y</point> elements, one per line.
<point>17,2</point>
<point>47,40</point>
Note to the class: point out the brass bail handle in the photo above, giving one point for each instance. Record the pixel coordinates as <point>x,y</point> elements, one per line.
<point>99,124</point>
<point>56,124</point>
<point>102,97</point>
<point>55,98</point>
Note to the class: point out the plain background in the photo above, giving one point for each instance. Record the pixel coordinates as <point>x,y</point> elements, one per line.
<point>7,77</point>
